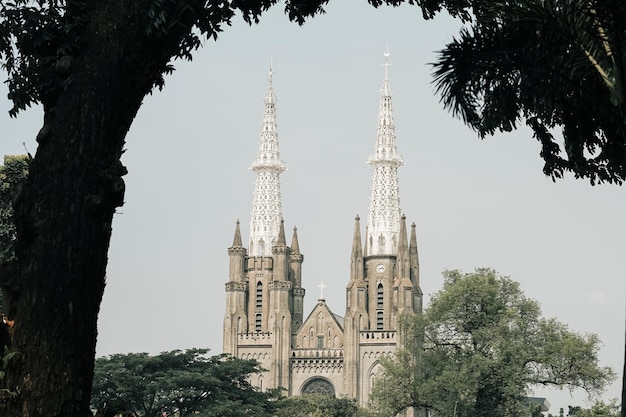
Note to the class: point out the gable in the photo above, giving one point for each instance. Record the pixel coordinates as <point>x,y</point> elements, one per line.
<point>320,330</point>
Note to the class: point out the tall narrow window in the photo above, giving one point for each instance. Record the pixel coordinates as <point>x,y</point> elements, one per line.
<point>320,342</point>
<point>380,299</point>
<point>259,295</point>
<point>257,322</point>
<point>379,320</point>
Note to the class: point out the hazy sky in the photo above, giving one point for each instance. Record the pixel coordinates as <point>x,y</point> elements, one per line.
<point>475,203</point>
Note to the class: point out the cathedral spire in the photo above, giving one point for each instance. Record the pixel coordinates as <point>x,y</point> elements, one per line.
<point>266,213</point>
<point>384,215</point>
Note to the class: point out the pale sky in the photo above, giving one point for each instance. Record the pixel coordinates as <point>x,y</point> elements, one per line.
<point>475,203</point>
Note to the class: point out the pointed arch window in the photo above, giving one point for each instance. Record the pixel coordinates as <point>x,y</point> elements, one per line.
<point>379,320</point>
<point>257,322</point>
<point>380,296</point>
<point>259,295</point>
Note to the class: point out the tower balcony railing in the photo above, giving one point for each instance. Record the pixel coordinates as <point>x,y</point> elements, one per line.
<point>377,336</point>
<point>326,353</point>
<point>255,338</point>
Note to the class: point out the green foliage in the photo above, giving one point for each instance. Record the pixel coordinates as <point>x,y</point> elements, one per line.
<point>554,64</point>
<point>318,406</point>
<point>398,388</point>
<point>39,39</point>
<point>12,173</point>
<point>485,346</point>
<point>598,409</point>
<point>178,383</point>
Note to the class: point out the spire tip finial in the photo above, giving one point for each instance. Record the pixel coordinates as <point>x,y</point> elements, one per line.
<point>387,64</point>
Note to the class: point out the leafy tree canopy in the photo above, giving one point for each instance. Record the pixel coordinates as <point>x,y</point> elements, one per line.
<point>47,34</point>
<point>12,173</point>
<point>318,406</point>
<point>178,383</point>
<point>555,64</point>
<point>598,409</point>
<point>485,346</point>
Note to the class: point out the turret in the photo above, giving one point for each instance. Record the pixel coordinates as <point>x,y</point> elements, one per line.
<point>280,311</point>
<point>295,276</point>
<point>237,254</point>
<point>415,271</point>
<point>415,265</point>
<point>356,259</point>
<point>356,318</point>
<point>404,290</point>
<point>295,261</point>
<point>402,260</point>
<point>235,319</point>
<point>280,252</point>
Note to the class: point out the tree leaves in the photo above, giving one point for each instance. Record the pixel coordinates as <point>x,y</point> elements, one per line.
<point>12,173</point>
<point>180,383</point>
<point>485,346</point>
<point>555,64</point>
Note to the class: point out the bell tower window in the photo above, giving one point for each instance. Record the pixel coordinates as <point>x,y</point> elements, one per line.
<point>380,299</point>
<point>379,320</point>
<point>259,295</point>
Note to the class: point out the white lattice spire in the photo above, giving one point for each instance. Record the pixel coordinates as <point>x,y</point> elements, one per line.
<point>383,226</point>
<point>266,205</point>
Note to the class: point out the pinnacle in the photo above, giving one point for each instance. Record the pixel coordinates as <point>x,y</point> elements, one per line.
<point>237,239</point>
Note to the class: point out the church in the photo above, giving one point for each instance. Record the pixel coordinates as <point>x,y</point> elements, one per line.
<point>322,352</point>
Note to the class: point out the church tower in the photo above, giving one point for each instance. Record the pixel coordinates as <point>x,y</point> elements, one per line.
<point>264,296</point>
<point>384,276</point>
<point>323,352</point>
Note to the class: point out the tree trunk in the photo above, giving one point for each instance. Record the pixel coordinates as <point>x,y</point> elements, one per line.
<point>66,207</point>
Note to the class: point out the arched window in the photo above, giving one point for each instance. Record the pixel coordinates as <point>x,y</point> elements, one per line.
<point>259,295</point>
<point>380,299</point>
<point>261,247</point>
<point>379,320</point>
<point>381,240</point>
<point>376,373</point>
<point>257,322</point>
<point>319,386</point>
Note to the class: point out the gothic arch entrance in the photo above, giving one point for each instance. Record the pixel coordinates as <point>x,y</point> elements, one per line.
<point>319,386</point>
